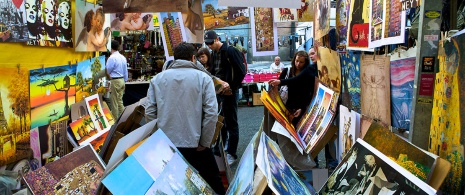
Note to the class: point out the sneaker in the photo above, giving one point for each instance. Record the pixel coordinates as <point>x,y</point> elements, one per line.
<point>231,159</point>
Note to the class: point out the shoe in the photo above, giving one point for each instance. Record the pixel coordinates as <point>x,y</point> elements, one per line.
<point>231,159</point>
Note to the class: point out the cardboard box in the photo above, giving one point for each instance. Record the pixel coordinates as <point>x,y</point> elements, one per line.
<point>256,99</point>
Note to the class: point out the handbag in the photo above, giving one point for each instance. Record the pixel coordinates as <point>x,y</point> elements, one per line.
<point>283,90</point>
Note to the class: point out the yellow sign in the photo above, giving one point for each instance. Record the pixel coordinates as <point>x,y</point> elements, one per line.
<point>432,14</point>
<point>155,20</point>
<point>425,100</point>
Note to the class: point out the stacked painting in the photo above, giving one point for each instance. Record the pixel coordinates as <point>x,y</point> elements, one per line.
<point>349,125</point>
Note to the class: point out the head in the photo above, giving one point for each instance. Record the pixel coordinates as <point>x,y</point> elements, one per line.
<point>212,40</point>
<point>49,8</point>
<point>300,60</point>
<point>99,18</point>
<point>114,46</point>
<point>184,51</point>
<point>203,55</point>
<point>324,71</point>
<point>32,11</point>
<point>64,15</point>
<point>313,55</point>
<point>89,20</point>
<point>277,60</point>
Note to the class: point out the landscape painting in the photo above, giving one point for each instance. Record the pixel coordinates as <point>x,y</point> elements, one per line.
<point>350,89</point>
<point>216,16</point>
<point>96,113</point>
<point>87,70</point>
<point>14,115</point>
<point>52,92</point>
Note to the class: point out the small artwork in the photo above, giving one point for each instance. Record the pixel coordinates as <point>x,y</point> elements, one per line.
<point>13,21</point>
<point>322,13</point>
<point>125,21</point>
<point>342,16</point>
<point>284,15</point>
<point>264,32</point>
<point>329,68</point>
<point>350,88</point>
<point>193,22</point>
<point>377,20</point>
<point>305,12</point>
<point>87,70</point>
<point>366,170</point>
<point>358,31</point>
<point>402,82</point>
<point>115,6</point>
<point>92,30</point>
<point>35,146</point>
<point>387,23</point>
<point>243,179</point>
<point>98,142</point>
<point>347,131</point>
<point>96,113</point>
<point>83,129</point>
<point>427,64</point>
<point>216,16</point>
<point>173,32</point>
<point>52,92</point>
<point>53,140</point>
<point>79,171</point>
<point>49,23</point>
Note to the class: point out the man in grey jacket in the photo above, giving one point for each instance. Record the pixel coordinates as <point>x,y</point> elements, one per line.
<point>183,99</point>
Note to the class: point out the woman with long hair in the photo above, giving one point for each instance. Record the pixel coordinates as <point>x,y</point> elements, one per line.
<point>204,57</point>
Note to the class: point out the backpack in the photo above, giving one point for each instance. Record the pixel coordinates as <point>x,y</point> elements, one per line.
<point>238,70</point>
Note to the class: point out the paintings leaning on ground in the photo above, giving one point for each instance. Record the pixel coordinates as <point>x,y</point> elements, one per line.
<point>366,170</point>
<point>315,121</point>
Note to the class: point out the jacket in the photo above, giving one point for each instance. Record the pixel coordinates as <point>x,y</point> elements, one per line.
<point>232,74</point>
<point>184,101</point>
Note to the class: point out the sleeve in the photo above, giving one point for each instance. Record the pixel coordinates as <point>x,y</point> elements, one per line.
<point>151,104</point>
<point>304,75</point>
<point>236,57</point>
<point>210,113</point>
<point>283,74</point>
<point>110,65</point>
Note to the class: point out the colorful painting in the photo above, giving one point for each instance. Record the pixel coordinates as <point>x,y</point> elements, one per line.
<point>243,179</point>
<point>402,78</point>
<point>387,23</point>
<point>49,23</point>
<point>79,171</point>
<point>375,82</point>
<point>347,131</point>
<point>216,16</point>
<point>173,32</point>
<point>14,115</point>
<point>13,25</point>
<point>92,30</point>
<point>193,22</point>
<point>264,32</point>
<point>125,21</point>
<point>366,170</point>
<point>376,20</point>
<point>358,31</point>
<point>350,89</point>
<point>98,142</point>
<point>83,129</point>
<point>96,113</point>
<point>284,15</point>
<point>52,92</point>
<point>87,70</point>
<point>321,22</point>
<point>53,140</point>
<point>305,12</point>
<point>329,68</point>
<point>395,20</point>
<point>35,146</point>
<point>261,3</point>
<point>342,16</point>
<point>309,116</point>
<point>115,6</point>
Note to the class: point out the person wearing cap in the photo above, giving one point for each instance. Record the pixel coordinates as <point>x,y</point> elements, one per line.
<point>117,72</point>
<point>228,65</point>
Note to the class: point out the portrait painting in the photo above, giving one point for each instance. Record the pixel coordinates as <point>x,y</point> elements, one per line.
<point>329,68</point>
<point>149,6</point>
<point>92,31</point>
<point>125,21</point>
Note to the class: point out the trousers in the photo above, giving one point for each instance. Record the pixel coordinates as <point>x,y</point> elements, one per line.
<point>230,130</point>
<point>117,88</point>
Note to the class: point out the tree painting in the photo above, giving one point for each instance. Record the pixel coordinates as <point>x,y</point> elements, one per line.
<point>86,71</point>
<point>210,10</point>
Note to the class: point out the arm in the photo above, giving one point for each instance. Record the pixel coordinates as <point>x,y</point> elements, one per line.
<point>302,77</point>
<point>97,41</point>
<point>236,57</point>
<point>151,104</point>
<point>110,66</point>
<point>210,113</point>
<point>137,24</point>
<point>127,26</point>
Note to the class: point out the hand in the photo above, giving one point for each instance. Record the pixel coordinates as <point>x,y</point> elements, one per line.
<point>274,82</point>
<point>200,148</point>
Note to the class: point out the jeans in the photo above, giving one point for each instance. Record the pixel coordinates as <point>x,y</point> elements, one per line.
<point>230,130</point>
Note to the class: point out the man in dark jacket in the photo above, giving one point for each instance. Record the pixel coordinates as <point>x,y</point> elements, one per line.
<point>227,64</point>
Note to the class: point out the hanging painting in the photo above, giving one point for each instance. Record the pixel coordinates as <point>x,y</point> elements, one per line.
<point>329,69</point>
<point>115,6</point>
<point>261,3</point>
<point>305,11</point>
<point>387,23</point>
<point>125,21</point>
<point>216,16</point>
<point>350,88</point>
<point>284,15</point>
<point>173,32</point>
<point>52,92</point>
<point>347,131</point>
<point>49,23</point>
<point>89,72</point>
<point>321,22</point>
<point>92,30</point>
<point>13,25</point>
<point>342,16</point>
<point>193,22</point>
<point>264,32</point>
<point>358,31</point>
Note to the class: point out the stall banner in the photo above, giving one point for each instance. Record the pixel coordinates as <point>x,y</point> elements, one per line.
<point>128,22</point>
<point>350,88</point>
<point>150,6</point>
<point>92,31</point>
<point>322,14</point>
<point>387,23</point>
<point>264,32</point>
<point>218,16</point>
<point>375,82</point>
<point>49,23</point>
<point>358,31</point>
<point>193,22</point>
<point>342,16</point>
<point>172,32</point>
<point>13,27</point>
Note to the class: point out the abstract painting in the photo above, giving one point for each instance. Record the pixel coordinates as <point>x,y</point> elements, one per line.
<point>347,131</point>
<point>52,92</point>
<point>284,15</point>
<point>358,23</point>
<point>96,113</point>
<point>193,22</point>
<point>92,31</point>
<point>173,32</point>
<point>87,72</point>
<point>13,26</point>
<point>366,170</point>
<point>342,16</point>
<point>79,171</point>
<point>321,22</point>
<point>375,93</point>
<point>329,69</point>
<point>216,16</point>
<point>49,23</point>
<point>350,88</point>
<point>14,115</point>
<point>115,6</point>
<point>125,21</point>
<point>264,32</point>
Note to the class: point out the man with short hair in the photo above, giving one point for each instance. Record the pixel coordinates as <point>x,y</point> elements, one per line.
<point>117,72</point>
<point>227,64</point>
<point>183,99</point>
<point>276,66</point>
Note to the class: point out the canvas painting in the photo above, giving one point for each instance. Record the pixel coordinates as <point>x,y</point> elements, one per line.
<point>342,17</point>
<point>173,32</point>
<point>98,142</point>
<point>79,171</point>
<point>83,129</point>
<point>243,179</point>
<point>366,170</point>
<point>261,3</point>
<point>312,110</point>
<point>217,16</point>
<point>92,31</point>
<point>319,131</point>
<point>87,70</point>
<point>305,12</point>
<point>387,23</point>
<point>53,140</point>
<point>375,93</point>
<point>358,23</point>
<point>49,23</point>
<point>13,26</point>
<point>52,92</point>
<point>96,113</point>
<point>284,15</point>
<point>402,81</point>
<point>125,21</point>
<point>193,22</point>
<point>14,115</point>
<point>329,68</point>
<point>350,88</point>
<point>321,22</point>
<point>115,6</point>
<point>401,151</point>
<point>347,131</point>
<point>35,146</point>
<point>264,32</point>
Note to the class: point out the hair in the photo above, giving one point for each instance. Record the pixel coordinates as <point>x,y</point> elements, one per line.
<point>277,57</point>
<point>301,54</point>
<point>204,50</point>
<point>184,51</point>
<point>324,68</point>
<point>114,45</point>
<point>88,19</point>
